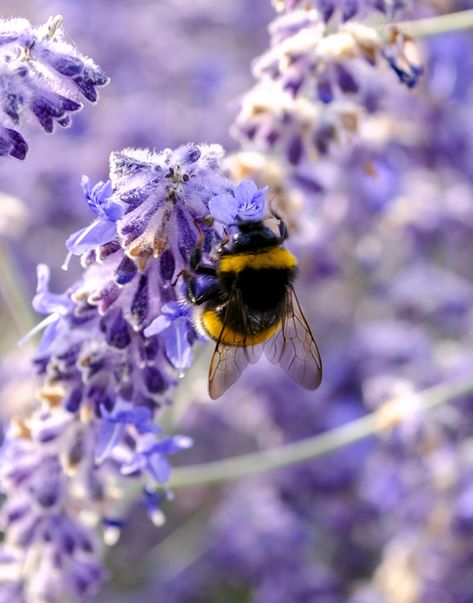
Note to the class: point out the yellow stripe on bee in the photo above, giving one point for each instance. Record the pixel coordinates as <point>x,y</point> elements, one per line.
<point>212,324</point>
<point>276,257</point>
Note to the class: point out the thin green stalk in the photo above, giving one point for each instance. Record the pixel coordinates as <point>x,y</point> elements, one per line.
<point>266,460</point>
<point>14,295</point>
<point>435,25</point>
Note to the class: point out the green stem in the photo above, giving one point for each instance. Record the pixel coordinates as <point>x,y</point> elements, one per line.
<point>266,460</point>
<point>14,295</point>
<point>435,25</point>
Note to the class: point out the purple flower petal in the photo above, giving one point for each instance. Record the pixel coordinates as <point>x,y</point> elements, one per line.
<point>176,344</point>
<point>107,438</point>
<point>85,239</point>
<point>158,325</point>
<point>245,191</point>
<point>44,301</point>
<point>224,208</point>
<point>159,468</point>
<point>253,209</point>
<point>174,444</point>
<point>137,463</point>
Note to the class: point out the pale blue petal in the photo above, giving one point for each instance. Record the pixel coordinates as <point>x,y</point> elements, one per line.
<point>49,335</point>
<point>107,438</point>
<point>254,209</point>
<point>174,444</point>
<point>98,233</point>
<point>135,464</point>
<point>224,208</point>
<point>44,301</point>
<point>176,344</point>
<point>114,211</point>
<point>158,325</point>
<point>245,191</point>
<point>159,468</point>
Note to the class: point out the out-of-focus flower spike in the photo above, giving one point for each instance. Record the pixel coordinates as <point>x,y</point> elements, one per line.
<point>314,78</point>
<point>403,56</point>
<point>41,74</point>
<point>345,9</point>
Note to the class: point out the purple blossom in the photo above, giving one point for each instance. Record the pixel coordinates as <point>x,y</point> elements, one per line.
<point>175,327</point>
<point>114,344</point>
<point>114,424</point>
<point>36,517</point>
<point>150,457</point>
<point>12,143</point>
<point>248,204</point>
<point>103,228</point>
<point>54,305</point>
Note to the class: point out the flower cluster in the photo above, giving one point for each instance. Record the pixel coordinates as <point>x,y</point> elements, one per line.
<point>43,76</point>
<point>347,9</point>
<point>315,84</point>
<point>114,344</point>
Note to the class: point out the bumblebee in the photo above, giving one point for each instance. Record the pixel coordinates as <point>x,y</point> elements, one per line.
<point>249,306</point>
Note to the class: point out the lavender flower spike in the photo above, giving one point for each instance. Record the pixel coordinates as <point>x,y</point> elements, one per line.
<point>115,345</point>
<point>41,75</point>
<point>314,81</point>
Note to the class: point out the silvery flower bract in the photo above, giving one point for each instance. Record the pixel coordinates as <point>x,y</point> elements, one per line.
<point>41,76</point>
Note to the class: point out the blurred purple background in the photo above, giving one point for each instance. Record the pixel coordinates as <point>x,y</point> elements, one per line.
<point>385,252</point>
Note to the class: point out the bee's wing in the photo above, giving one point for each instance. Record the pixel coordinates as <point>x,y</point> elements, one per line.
<point>293,346</point>
<point>228,362</point>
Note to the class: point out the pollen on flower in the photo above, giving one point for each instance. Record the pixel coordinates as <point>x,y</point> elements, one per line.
<point>52,394</point>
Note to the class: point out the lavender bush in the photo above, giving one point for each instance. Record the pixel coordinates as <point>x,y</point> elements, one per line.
<point>374,182</point>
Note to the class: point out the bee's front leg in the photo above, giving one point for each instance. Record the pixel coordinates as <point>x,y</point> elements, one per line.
<point>196,265</point>
<point>197,268</point>
<point>191,291</point>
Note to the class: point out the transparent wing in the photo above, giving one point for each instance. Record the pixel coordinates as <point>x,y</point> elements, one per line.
<point>294,348</point>
<point>229,361</point>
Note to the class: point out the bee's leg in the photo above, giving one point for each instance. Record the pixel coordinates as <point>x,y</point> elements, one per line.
<point>191,291</point>
<point>205,270</point>
<point>195,263</point>
<point>195,258</point>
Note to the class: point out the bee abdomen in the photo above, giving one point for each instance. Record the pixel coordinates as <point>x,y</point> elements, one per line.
<point>262,290</point>
<point>234,334</point>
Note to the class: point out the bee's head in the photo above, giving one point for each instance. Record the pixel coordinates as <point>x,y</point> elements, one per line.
<point>252,236</point>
